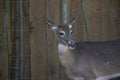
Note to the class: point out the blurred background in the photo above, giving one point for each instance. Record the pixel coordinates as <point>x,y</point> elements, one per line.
<point>28,48</point>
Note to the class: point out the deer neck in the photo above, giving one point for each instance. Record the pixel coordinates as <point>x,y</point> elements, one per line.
<point>62,48</point>
<point>65,55</point>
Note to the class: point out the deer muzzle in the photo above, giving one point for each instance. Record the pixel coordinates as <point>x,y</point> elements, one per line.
<point>71,44</point>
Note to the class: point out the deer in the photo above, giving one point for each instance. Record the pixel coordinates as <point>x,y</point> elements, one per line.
<point>86,60</point>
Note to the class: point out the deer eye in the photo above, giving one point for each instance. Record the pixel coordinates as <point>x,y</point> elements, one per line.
<point>62,33</point>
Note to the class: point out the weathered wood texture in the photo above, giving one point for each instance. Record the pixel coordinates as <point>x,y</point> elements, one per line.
<point>44,61</point>
<point>27,52</point>
<point>14,41</point>
<point>103,17</point>
<point>4,48</point>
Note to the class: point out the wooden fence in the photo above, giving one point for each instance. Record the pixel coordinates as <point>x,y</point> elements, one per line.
<point>103,19</point>
<point>40,45</point>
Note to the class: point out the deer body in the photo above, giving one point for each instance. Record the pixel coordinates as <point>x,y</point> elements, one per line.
<point>92,60</point>
<point>86,60</point>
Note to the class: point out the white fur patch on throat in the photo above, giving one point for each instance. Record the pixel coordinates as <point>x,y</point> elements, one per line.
<point>62,48</point>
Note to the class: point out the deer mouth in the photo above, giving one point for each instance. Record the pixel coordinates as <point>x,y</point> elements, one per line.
<point>71,44</point>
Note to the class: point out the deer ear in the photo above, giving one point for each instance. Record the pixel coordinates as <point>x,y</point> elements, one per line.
<point>70,23</point>
<point>50,23</point>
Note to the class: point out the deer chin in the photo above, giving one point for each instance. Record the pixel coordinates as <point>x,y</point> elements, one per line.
<point>71,46</point>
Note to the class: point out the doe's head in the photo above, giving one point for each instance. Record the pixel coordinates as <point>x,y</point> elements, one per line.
<point>63,32</point>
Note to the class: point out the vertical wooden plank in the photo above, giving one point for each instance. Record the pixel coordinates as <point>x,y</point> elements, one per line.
<point>4,26</point>
<point>64,11</point>
<point>4,59</point>
<point>93,11</point>
<point>5,62</point>
<point>16,57</point>
<point>78,26</point>
<point>11,65</point>
<point>106,22</point>
<point>114,14</point>
<point>52,12</point>
<point>1,16</point>
<point>99,20</point>
<point>27,55</point>
<point>38,40</point>
<point>1,23</point>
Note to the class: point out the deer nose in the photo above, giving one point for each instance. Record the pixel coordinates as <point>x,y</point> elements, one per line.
<point>71,44</point>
